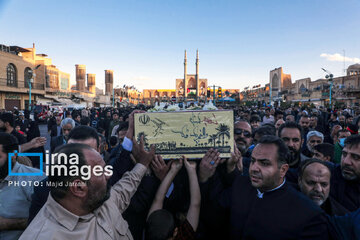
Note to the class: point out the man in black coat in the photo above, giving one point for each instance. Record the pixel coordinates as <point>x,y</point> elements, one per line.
<point>314,182</point>
<point>264,206</point>
<point>66,126</point>
<point>345,180</point>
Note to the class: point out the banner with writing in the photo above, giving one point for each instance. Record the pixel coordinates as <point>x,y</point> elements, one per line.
<point>189,133</point>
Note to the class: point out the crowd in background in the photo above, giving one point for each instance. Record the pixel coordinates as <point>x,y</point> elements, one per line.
<point>294,174</point>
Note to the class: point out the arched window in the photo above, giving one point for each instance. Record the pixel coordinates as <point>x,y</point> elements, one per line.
<point>11,75</point>
<point>27,77</point>
<point>275,82</point>
<point>192,83</point>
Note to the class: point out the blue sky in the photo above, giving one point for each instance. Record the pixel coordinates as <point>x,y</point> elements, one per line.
<point>144,41</point>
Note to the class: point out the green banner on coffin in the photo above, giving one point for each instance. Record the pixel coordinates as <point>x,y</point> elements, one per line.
<point>189,133</point>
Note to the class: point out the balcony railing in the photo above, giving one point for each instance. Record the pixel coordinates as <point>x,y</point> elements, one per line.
<point>21,84</point>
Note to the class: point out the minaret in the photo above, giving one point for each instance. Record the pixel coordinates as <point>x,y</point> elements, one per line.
<point>185,75</point>
<point>197,73</point>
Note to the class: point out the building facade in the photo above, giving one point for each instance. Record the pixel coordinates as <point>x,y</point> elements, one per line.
<point>345,90</point>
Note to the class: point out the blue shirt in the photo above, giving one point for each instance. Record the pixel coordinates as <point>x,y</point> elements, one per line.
<point>15,199</point>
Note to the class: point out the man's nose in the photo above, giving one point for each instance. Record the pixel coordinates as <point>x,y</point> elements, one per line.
<point>318,188</point>
<point>346,160</point>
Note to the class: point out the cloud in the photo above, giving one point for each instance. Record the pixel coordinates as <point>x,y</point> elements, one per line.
<point>337,57</point>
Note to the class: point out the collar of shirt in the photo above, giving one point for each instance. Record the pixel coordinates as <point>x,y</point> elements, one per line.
<point>15,169</point>
<point>63,216</point>
<point>261,194</point>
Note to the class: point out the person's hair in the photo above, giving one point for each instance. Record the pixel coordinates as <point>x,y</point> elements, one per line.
<point>352,140</point>
<point>67,121</point>
<point>309,161</point>
<point>241,120</point>
<point>9,142</point>
<point>75,115</point>
<point>100,130</point>
<point>255,118</point>
<point>326,149</point>
<point>102,137</point>
<point>84,133</point>
<point>123,126</point>
<point>84,120</point>
<point>113,140</point>
<point>278,112</point>
<point>60,181</point>
<point>160,225</point>
<point>315,133</point>
<point>283,151</point>
<point>8,117</point>
<point>335,114</point>
<point>348,116</point>
<point>304,116</point>
<point>290,125</point>
<point>265,130</point>
<point>340,131</point>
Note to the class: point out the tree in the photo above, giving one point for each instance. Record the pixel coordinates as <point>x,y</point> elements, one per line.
<point>223,130</point>
<point>212,139</point>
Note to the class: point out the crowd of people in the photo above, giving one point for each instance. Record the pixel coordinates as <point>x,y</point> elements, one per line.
<point>294,174</point>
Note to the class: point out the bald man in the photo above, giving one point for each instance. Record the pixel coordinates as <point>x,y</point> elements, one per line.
<point>314,182</point>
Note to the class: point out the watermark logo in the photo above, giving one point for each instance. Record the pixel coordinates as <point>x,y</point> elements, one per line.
<point>64,165</point>
<point>41,170</point>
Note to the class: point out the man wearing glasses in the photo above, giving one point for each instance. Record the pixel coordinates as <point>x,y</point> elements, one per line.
<point>242,136</point>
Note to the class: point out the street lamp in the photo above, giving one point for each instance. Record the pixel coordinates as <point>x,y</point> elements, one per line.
<point>30,81</point>
<point>329,76</point>
<point>113,95</point>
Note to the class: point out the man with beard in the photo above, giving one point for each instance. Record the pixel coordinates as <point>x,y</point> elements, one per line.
<point>314,182</point>
<point>7,124</point>
<point>86,209</point>
<point>345,180</point>
<point>304,122</point>
<point>313,138</point>
<point>342,121</point>
<point>242,136</point>
<point>291,134</point>
<point>14,199</point>
<point>259,207</point>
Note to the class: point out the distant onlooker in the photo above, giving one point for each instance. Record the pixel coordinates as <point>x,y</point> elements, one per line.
<point>324,152</point>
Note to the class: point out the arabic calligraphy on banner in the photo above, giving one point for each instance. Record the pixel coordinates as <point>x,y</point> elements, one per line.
<point>187,133</point>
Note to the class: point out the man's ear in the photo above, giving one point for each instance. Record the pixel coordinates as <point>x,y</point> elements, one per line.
<point>283,169</point>
<point>78,188</point>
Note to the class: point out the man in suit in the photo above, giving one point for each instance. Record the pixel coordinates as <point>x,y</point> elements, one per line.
<point>345,180</point>
<point>66,126</point>
<point>258,206</point>
<point>23,123</point>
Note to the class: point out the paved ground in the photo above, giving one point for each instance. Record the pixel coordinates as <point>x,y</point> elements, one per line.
<point>44,133</point>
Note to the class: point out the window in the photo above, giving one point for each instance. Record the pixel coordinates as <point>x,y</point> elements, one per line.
<point>11,75</point>
<point>27,77</point>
